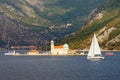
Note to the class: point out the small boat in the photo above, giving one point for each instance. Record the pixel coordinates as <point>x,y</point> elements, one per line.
<point>109,54</point>
<point>94,52</point>
<point>11,53</point>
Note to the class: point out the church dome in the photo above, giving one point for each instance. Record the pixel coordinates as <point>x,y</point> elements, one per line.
<point>66,46</point>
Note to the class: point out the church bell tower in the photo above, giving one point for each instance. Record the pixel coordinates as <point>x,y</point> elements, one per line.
<point>52,46</point>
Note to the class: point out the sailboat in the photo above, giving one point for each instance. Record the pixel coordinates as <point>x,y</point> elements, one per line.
<point>94,52</point>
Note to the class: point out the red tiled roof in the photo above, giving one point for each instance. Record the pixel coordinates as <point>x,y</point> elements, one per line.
<point>33,51</point>
<point>61,46</point>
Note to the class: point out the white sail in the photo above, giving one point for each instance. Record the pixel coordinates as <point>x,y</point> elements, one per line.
<point>94,49</point>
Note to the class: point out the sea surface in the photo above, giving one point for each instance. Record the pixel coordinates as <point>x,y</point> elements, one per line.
<point>59,68</point>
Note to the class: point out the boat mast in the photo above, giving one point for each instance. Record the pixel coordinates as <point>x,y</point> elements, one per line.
<point>94,44</point>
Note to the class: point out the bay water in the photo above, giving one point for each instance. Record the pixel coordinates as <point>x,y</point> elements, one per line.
<point>59,68</point>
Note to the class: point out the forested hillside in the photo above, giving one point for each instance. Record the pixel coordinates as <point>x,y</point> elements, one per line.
<point>105,22</point>
<point>27,22</point>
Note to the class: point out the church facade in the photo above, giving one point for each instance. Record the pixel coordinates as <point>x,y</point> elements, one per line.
<point>59,50</point>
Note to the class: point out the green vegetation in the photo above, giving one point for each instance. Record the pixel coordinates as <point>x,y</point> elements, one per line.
<point>54,11</point>
<point>111,18</point>
<point>32,20</point>
<point>114,33</point>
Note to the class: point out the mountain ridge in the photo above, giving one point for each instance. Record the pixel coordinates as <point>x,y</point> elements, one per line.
<point>105,22</point>
<point>40,20</point>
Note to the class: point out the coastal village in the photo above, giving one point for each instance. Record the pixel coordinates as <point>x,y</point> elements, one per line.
<point>64,50</point>
<point>54,50</point>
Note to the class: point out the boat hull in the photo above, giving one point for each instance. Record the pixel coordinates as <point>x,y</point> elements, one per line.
<point>98,57</point>
<point>11,53</point>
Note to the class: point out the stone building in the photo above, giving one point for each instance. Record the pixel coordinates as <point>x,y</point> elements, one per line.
<point>59,50</point>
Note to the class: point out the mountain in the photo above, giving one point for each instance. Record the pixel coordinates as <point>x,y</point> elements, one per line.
<point>32,22</point>
<point>105,22</point>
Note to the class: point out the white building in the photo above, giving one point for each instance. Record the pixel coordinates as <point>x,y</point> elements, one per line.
<point>59,50</point>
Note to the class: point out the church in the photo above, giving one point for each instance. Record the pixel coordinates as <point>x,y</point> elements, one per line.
<point>59,50</point>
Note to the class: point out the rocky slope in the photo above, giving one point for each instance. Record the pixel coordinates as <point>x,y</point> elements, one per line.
<point>105,22</point>
<point>26,22</point>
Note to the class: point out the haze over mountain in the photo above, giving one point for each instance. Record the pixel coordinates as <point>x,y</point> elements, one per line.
<point>105,22</point>
<point>32,22</point>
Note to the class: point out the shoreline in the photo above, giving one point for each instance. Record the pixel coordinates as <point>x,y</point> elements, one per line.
<point>102,50</point>
<point>40,54</point>
<point>46,55</point>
